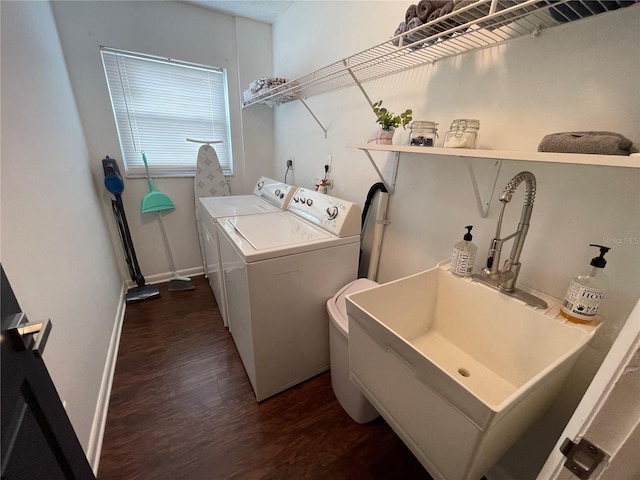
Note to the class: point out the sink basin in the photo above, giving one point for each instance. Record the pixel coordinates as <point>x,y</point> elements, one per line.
<point>458,369</point>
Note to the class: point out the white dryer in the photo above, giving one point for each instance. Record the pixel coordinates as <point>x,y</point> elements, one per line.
<point>268,196</point>
<point>280,269</point>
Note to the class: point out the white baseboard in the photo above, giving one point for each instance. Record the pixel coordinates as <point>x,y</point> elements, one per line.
<point>164,277</point>
<point>102,407</point>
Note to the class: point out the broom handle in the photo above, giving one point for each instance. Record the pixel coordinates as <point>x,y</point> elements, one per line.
<point>172,264</point>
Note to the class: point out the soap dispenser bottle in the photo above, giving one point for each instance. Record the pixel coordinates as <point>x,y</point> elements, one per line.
<point>464,255</point>
<point>585,292</point>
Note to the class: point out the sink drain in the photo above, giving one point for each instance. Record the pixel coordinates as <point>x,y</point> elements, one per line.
<point>464,372</point>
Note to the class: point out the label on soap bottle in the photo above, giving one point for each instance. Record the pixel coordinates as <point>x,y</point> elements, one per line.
<point>462,262</point>
<point>582,302</point>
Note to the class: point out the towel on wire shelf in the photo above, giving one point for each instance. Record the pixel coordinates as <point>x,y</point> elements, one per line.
<point>414,38</point>
<point>411,38</point>
<point>434,15</point>
<point>447,8</point>
<point>575,10</point>
<point>598,143</point>
<point>470,14</point>
<point>402,27</point>
<point>439,26</point>
<point>505,18</point>
<point>446,24</point>
<point>265,85</point>
<point>412,12</point>
<point>426,7</point>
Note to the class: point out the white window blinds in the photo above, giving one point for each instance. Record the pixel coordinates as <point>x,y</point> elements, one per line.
<point>158,104</point>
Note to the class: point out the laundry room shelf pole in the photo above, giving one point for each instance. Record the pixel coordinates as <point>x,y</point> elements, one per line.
<point>313,115</point>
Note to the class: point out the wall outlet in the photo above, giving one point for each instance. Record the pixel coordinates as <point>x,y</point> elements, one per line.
<point>290,162</point>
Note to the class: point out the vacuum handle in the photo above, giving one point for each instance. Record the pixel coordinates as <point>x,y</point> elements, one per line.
<point>112,179</point>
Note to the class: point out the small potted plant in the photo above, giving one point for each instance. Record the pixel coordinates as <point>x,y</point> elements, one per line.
<point>388,123</point>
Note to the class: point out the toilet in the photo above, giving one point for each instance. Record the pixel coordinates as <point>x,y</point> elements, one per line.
<point>349,396</point>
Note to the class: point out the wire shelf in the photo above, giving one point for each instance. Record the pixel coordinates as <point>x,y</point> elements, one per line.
<point>479,25</point>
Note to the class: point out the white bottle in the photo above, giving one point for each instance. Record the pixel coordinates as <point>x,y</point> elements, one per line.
<point>585,292</point>
<point>464,255</point>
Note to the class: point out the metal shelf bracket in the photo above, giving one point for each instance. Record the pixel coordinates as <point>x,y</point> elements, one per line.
<point>357,82</point>
<point>313,115</point>
<point>394,172</point>
<point>484,203</point>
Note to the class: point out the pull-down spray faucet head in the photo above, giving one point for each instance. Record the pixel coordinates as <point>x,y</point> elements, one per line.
<point>530,185</point>
<point>506,278</point>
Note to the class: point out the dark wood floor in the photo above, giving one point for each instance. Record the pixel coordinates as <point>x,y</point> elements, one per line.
<point>182,408</point>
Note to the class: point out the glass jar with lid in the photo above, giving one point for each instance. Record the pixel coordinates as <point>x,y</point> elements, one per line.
<point>423,133</point>
<point>463,133</point>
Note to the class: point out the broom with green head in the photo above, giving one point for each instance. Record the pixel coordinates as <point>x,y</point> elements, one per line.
<point>155,201</point>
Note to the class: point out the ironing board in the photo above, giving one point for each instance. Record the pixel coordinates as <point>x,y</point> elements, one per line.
<point>209,181</point>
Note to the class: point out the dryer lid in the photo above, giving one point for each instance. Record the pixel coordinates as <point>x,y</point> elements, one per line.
<point>235,205</point>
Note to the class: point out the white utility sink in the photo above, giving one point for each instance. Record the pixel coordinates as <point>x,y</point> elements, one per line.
<point>458,369</point>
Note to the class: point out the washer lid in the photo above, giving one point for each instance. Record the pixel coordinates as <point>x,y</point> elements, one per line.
<point>272,235</point>
<point>337,305</point>
<point>265,232</point>
<point>231,206</point>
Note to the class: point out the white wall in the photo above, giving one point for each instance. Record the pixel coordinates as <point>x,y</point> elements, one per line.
<point>184,32</point>
<point>255,60</point>
<point>56,249</point>
<point>581,76</point>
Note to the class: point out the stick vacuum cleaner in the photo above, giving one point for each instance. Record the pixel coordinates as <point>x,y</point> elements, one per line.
<point>115,185</point>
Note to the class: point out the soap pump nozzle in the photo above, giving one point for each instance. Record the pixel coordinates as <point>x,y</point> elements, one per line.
<point>467,236</point>
<point>599,261</point>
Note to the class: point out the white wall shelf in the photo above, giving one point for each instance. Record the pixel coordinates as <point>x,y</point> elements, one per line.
<point>482,24</point>
<point>497,155</point>
<point>568,158</point>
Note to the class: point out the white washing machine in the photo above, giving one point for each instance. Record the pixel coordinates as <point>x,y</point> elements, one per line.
<point>268,196</point>
<point>280,269</point>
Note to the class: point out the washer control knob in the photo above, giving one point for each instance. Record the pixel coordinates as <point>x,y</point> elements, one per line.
<point>332,212</point>
<point>260,185</point>
<point>309,202</point>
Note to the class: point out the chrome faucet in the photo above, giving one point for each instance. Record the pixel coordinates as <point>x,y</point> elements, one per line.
<point>505,279</point>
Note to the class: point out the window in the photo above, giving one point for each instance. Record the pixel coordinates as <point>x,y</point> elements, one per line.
<point>158,103</point>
